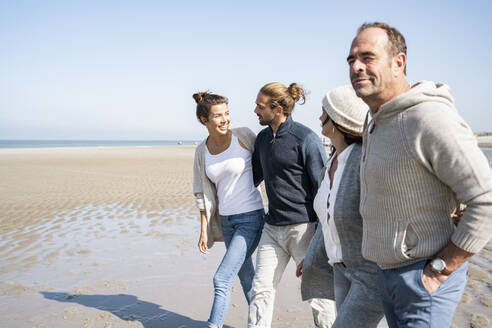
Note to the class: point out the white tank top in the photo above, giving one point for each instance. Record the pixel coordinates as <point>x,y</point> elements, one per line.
<point>232,173</point>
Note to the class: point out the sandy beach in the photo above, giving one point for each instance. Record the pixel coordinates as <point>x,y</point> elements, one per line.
<point>106,237</point>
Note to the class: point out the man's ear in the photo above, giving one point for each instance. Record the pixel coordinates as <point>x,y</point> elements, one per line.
<point>203,119</point>
<point>279,110</point>
<point>398,64</point>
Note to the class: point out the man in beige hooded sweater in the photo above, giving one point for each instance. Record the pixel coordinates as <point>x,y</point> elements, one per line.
<point>420,160</point>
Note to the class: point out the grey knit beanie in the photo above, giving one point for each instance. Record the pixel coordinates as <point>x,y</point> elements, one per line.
<point>345,108</point>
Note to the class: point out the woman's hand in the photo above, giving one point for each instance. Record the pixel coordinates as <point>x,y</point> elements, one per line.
<point>456,217</point>
<point>202,244</point>
<point>299,269</point>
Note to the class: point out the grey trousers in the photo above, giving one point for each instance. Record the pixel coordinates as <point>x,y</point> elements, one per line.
<point>357,296</point>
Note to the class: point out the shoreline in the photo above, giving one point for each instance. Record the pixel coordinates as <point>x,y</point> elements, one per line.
<point>97,147</point>
<point>483,142</point>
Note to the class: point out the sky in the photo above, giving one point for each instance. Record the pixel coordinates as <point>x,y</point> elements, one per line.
<point>125,70</point>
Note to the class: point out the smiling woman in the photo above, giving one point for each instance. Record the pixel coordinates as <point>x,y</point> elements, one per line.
<point>231,208</point>
<point>213,112</point>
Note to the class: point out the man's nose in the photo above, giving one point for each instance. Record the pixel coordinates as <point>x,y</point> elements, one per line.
<point>357,66</point>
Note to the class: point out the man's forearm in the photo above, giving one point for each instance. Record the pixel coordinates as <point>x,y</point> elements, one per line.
<point>454,256</point>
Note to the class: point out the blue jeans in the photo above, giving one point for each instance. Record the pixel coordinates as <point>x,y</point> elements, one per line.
<point>357,296</point>
<point>242,233</point>
<point>408,304</point>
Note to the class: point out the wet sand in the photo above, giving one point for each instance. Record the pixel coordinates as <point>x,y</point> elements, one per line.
<point>106,237</point>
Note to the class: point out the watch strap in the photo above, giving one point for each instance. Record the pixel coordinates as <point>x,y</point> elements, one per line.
<point>446,272</point>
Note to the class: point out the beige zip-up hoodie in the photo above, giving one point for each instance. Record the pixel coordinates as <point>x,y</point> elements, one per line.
<point>420,160</point>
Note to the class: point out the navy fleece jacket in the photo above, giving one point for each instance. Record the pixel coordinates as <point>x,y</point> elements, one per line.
<point>290,163</point>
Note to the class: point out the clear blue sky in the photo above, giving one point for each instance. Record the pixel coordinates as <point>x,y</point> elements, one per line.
<point>127,69</point>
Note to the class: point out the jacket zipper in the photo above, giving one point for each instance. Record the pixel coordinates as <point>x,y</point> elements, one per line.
<point>368,131</point>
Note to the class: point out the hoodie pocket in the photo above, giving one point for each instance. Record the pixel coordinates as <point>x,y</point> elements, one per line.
<point>406,241</point>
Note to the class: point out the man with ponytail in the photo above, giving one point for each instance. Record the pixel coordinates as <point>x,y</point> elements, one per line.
<point>289,157</point>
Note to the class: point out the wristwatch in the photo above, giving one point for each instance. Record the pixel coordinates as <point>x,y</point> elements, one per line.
<point>438,265</point>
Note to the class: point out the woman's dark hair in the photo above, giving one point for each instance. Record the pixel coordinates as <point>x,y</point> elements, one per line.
<point>348,137</point>
<point>204,101</point>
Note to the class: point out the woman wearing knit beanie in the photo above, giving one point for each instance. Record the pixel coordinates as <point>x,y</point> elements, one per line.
<point>349,278</point>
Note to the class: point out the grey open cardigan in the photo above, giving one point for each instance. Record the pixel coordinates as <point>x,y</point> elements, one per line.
<point>204,189</point>
<point>317,276</point>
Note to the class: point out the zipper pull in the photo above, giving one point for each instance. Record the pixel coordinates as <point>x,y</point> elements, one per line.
<point>373,125</point>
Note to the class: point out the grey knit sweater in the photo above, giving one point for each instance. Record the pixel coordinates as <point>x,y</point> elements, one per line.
<point>419,161</point>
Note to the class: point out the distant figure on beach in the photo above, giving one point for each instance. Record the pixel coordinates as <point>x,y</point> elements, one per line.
<point>289,157</point>
<point>420,160</point>
<point>231,208</point>
<point>348,278</point>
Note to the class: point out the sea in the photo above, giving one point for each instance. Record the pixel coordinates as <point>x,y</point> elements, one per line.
<point>122,143</point>
<point>93,143</point>
<point>488,154</point>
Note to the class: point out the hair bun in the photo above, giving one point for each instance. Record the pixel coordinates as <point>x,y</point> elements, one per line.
<point>297,93</point>
<point>200,95</point>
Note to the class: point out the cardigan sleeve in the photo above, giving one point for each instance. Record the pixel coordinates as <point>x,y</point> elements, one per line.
<point>247,137</point>
<point>197,179</point>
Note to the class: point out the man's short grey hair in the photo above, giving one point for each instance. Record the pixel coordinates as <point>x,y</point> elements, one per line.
<point>396,40</point>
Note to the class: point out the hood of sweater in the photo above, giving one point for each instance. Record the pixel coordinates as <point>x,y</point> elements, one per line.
<point>420,92</point>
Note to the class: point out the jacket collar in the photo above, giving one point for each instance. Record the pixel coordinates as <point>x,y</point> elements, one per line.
<point>285,127</point>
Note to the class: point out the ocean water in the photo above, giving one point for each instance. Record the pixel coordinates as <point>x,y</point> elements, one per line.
<point>488,154</point>
<point>92,143</point>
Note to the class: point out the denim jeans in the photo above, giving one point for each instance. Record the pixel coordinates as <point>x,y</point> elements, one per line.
<point>408,304</point>
<point>357,296</point>
<point>242,233</point>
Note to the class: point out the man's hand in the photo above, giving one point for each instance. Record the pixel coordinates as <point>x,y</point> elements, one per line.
<point>299,269</point>
<point>431,279</point>
<point>453,256</point>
